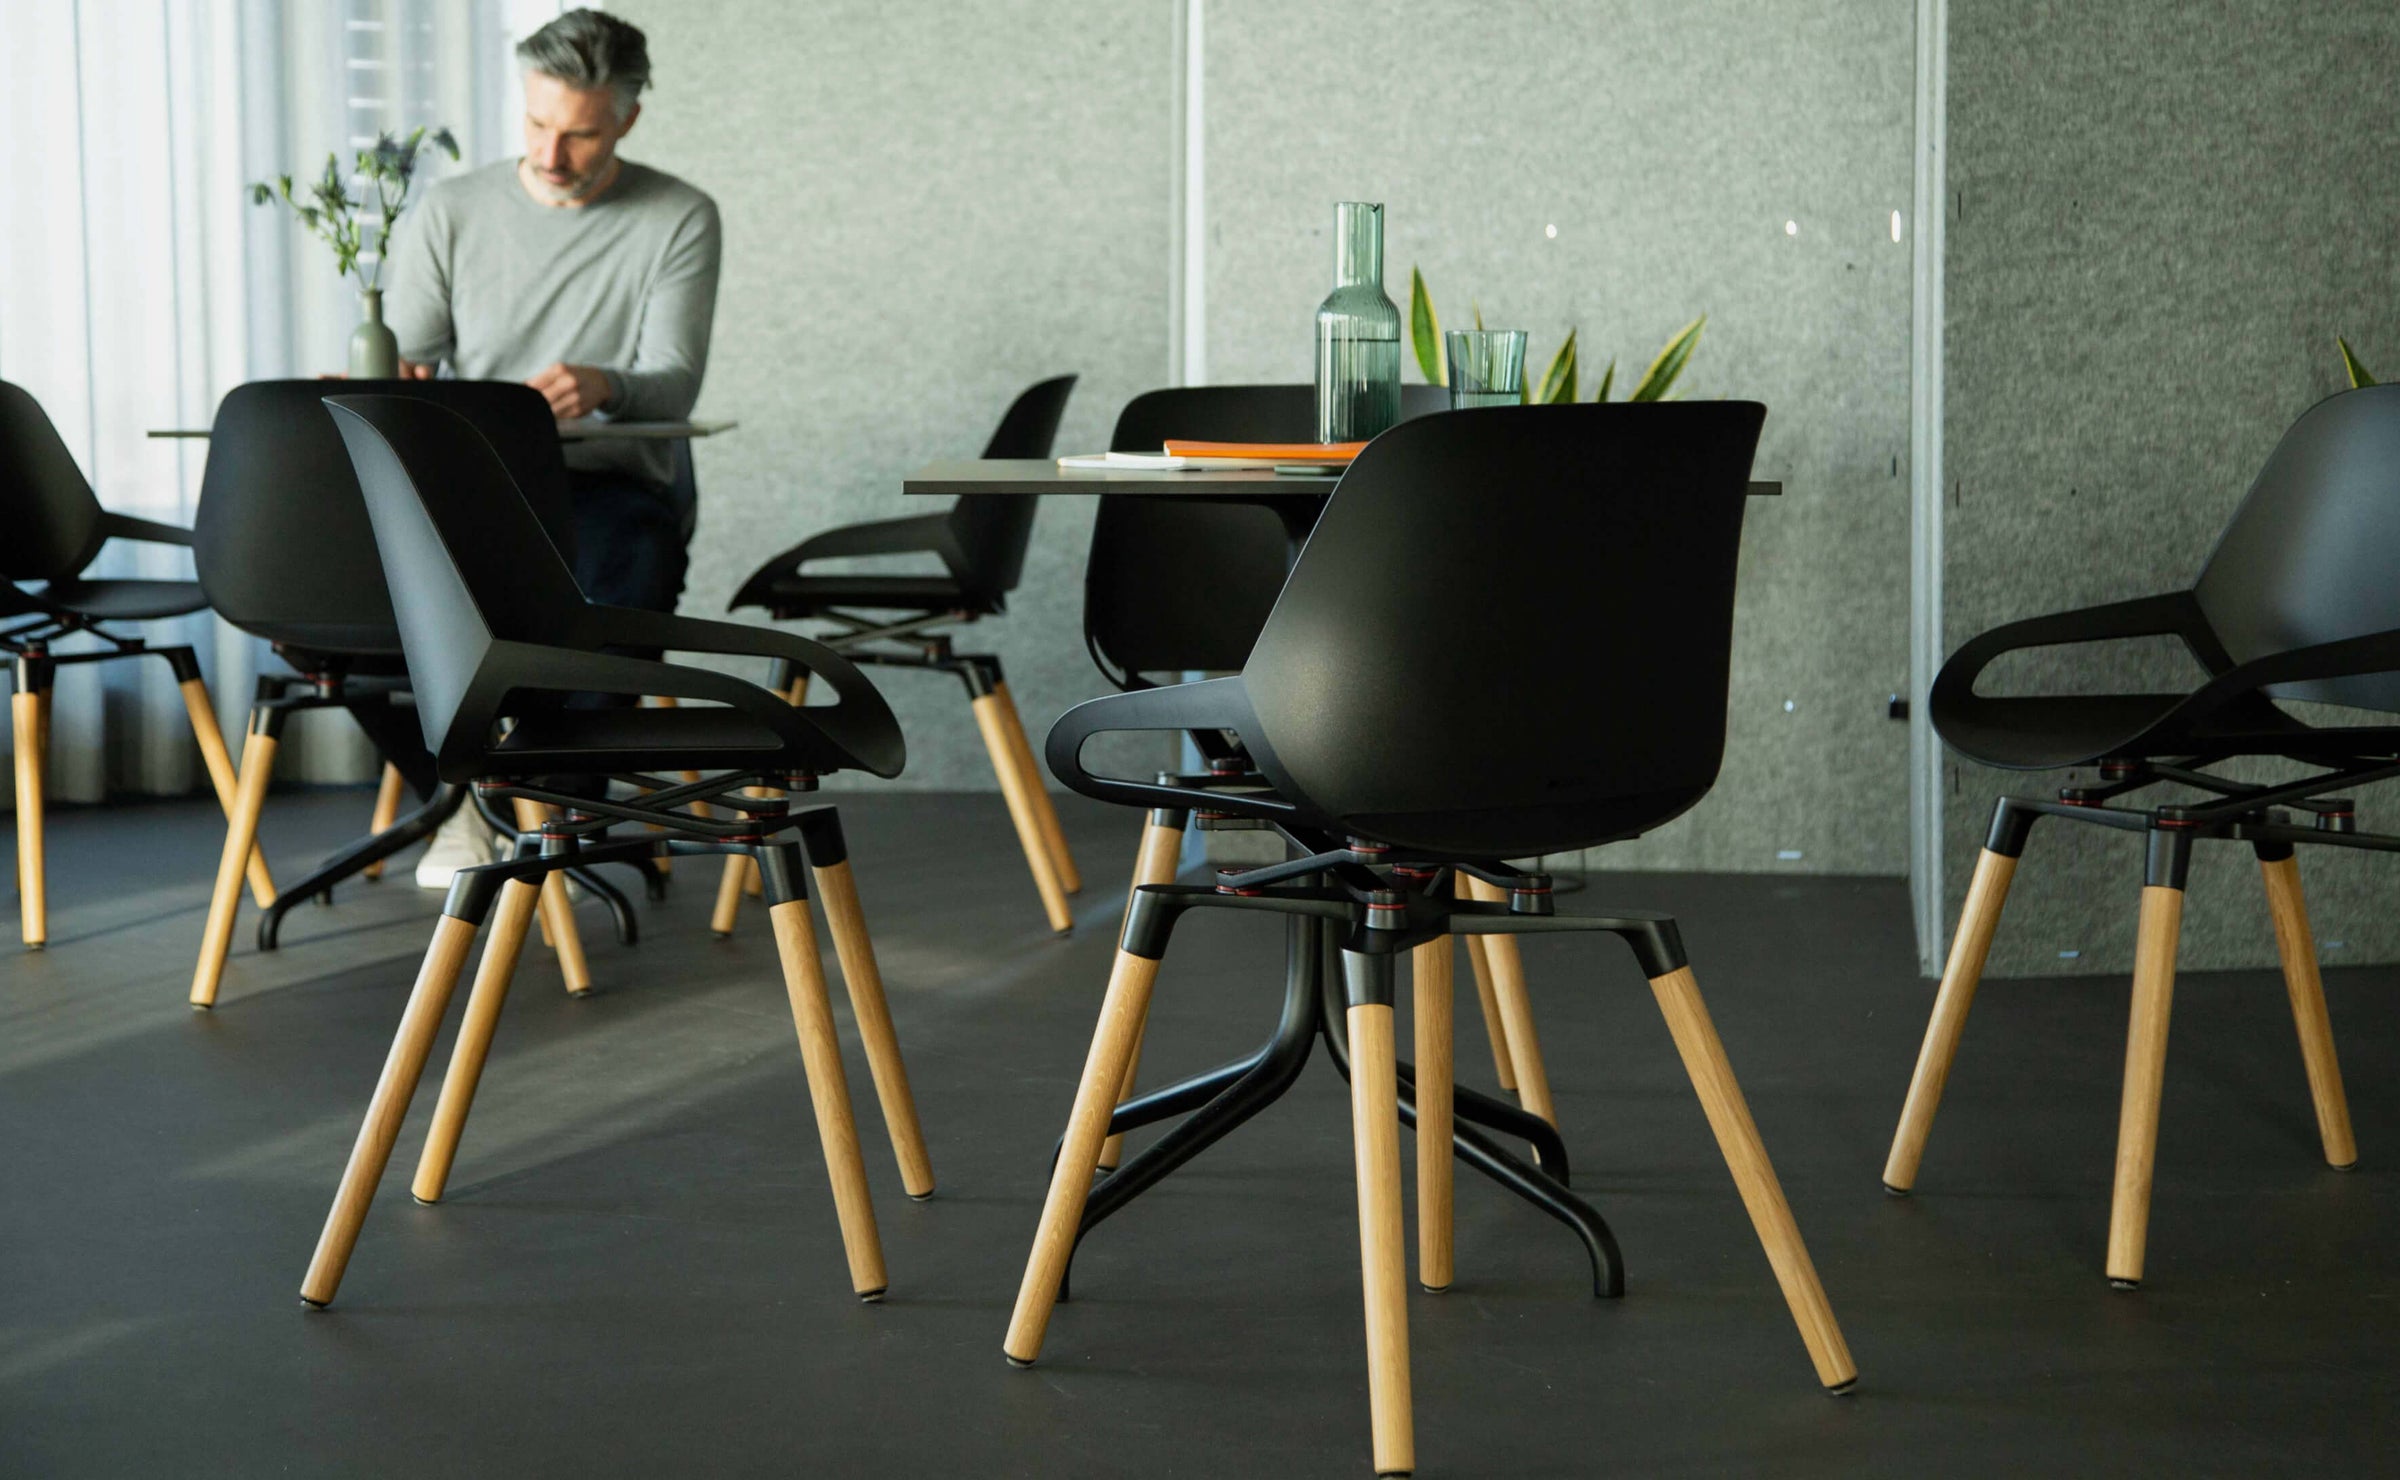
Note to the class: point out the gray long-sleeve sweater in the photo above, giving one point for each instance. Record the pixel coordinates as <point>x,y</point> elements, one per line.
<point>501,287</point>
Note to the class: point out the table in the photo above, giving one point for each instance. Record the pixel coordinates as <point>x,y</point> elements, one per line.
<point>1041,475</point>
<point>583,429</point>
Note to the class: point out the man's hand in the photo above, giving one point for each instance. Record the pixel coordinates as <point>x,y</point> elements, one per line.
<point>572,390</point>
<point>411,370</point>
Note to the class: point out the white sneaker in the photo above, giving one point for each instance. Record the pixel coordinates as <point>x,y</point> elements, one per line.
<point>462,842</point>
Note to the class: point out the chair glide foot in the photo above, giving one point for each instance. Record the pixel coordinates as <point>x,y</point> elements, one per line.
<point>1891,1191</point>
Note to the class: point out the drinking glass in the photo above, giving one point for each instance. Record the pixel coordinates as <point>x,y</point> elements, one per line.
<point>1487,367</point>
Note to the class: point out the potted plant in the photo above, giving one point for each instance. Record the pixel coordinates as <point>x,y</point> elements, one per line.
<point>348,225</point>
<point>1558,382</point>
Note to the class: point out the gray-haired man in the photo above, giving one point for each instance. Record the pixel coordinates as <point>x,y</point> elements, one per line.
<point>588,277</point>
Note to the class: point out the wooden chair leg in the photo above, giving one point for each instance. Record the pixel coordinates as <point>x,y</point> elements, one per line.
<point>220,776</point>
<point>1382,1248</point>
<point>2145,1078</point>
<point>387,811</point>
<point>401,1069</point>
<point>1155,862</point>
<point>1493,1028</point>
<point>1960,976</point>
<point>33,901</point>
<point>557,912</point>
<point>1516,1012</point>
<point>1746,1157</point>
<point>729,895</point>
<point>2298,949</point>
<point>1014,791</point>
<point>510,921</point>
<point>856,952</point>
<point>1436,994</point>
<point>1045,812</point>
<point>1121,1015</point>
<point>829,1093</point>
<point>241,837</point>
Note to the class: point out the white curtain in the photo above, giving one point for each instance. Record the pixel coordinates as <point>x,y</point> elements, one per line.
<point>138,285</point>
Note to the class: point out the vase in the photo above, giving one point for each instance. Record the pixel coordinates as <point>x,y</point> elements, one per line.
<point>374,353</point>
<point>1358,333</point>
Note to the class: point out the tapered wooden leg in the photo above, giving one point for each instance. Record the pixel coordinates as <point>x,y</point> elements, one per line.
<point>1960,976</point>
<point>2307,990</point>
<point>1382,1249</point>
<point>1045,813</point>
<point>33,901</point>
<point>387,811</point>
<point>729,894</point>
<point>856,951</point>
<point>500,950</point>
<point>1746,1157</point>
<point>1430,965</point>
<point>1013,790</point>
<point>1516,1012</point>
<point>1121,1015</point>
<point>557,912</point>
<point>1155,862</point>
<point>829,1092</point>
<point>401,1070</point>
<point>752,883</point>
<point>2145,1078</point>
<point>1493,1028</point>
<point>220,776</point>
<point>241,835</point>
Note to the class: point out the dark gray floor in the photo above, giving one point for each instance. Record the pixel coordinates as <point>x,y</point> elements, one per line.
<point>638,1272</point>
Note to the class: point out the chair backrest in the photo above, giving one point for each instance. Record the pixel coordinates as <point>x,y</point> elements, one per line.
<point>2310,555</point>
<point>1511,630</point>
<point>992,530</point>
<point>460,546</point>
<point>1175,584</point>
<point>281,540</point>
<point>49,520</point>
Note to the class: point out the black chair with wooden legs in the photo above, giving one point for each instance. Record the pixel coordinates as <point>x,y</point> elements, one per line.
<point>283,551</point>
<point>1426,700</point>
<point>496,631</point>
<point>1183,585</point>
<point>903,621</point>
<point>51,528</point>
<point>2297,602</point>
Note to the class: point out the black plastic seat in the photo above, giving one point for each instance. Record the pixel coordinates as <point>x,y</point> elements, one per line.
<point>1510,633</point>
<point>495,628</point>
<point>51,529</point>
<point>2296,602</point>
<point>284,551</point>
<point>904,621</point>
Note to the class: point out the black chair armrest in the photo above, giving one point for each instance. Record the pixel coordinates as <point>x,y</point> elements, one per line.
<point>126,527</point>
<point>2350,657</point>
<point>1209,704</point>
<point>538,670</point>
<point>918,534</point>
<point>2173,613</point>
<point>622,626</point>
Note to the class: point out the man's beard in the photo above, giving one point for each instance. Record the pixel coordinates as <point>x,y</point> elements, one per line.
<point>581,187</point>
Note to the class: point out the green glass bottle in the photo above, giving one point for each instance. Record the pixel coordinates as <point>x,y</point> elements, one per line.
<point>1358,333</point>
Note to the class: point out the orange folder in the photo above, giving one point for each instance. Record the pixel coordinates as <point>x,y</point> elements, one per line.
<point>1286,452</point>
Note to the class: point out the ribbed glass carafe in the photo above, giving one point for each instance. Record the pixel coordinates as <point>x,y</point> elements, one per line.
<point>1358,333</point>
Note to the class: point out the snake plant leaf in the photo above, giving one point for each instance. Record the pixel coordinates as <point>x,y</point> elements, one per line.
<point>1425,330</point>
<point>2358,373</point>
<point>1670,362</point>
<point>1558,382</point>
<point>1608,379</point>
<point>1471,303</point>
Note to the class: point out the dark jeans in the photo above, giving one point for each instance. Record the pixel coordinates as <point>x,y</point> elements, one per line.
<point>629,551</point>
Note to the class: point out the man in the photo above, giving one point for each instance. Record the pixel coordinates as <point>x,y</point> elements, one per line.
<point>588,277</point>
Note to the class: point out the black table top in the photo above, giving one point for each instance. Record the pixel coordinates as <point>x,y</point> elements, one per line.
<point>1041,475</point>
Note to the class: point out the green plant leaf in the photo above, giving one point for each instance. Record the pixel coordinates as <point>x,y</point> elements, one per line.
<point>1608,378</point>
<point>1478,314</point>
<point>1425,330</point>
<point>2358,373</point>
<point>1670,362</point>
<point>1558,382</point>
